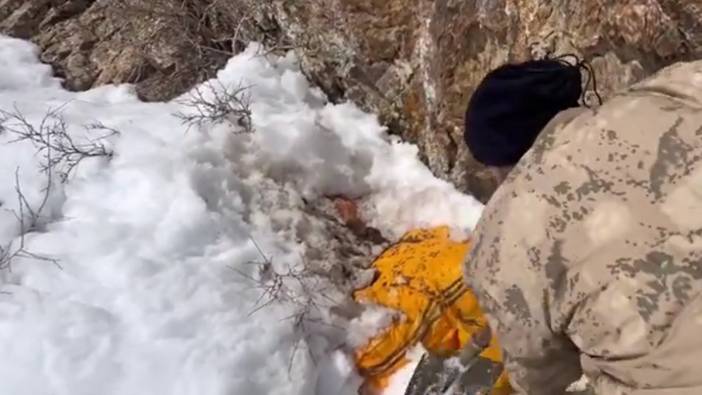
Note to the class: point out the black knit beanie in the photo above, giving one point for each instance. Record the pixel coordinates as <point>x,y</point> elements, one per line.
<point>514,103</point>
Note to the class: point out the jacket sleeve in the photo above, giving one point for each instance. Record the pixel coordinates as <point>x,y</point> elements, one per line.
<point>538,361</point>
<point>507,270</point>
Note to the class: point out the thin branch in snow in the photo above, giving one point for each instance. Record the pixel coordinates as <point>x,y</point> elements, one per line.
<point>28,219</point>
<point>60,152</point>
<point>305,330</point>
<point>266,259</point>
<point>59,155</point>
<point>303,337</point>
<point>215,103</point>
<point>298,288</point>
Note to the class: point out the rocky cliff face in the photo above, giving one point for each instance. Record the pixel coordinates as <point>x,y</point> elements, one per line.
<point>162,46</point>
<point>414,62</point>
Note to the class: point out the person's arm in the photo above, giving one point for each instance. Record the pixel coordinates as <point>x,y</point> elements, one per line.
<point>513,294</point>
<point>537,361</point>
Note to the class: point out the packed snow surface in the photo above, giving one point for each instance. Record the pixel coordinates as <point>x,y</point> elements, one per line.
<point>136,276</point>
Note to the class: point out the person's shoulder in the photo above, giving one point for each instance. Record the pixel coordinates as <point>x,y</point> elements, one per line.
<point>565,117</point>
<point>681,81</point>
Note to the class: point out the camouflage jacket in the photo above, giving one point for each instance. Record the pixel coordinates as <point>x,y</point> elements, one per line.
<point>588,259</point>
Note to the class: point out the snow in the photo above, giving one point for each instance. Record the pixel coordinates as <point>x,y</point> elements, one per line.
<point>400,380</point>
<point>373,319</point>
<point>152,290</point>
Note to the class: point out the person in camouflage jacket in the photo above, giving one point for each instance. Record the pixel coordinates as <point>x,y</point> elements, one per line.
<point>588,258</point>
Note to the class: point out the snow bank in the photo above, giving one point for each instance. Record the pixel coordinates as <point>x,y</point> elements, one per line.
<point>152,294</point>
<point>338,149</point>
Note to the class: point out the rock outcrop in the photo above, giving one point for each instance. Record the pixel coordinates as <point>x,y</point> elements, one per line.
<point>413,62</point>
<point>164,47</point>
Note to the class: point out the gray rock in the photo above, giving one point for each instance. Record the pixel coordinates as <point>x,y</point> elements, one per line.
<point>413,62</point>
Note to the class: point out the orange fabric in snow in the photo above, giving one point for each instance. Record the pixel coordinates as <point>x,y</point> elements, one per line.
<point>421,276</point>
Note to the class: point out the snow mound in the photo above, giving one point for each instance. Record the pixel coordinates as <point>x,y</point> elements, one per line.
<point>151,292</point>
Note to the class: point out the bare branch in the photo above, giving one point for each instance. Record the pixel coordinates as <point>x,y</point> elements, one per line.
<point>60,152</point>
<point>295,287</point>
<point>28,219</point>
<point>215,103</point>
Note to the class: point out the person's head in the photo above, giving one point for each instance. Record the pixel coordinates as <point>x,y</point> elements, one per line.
<point>512,105</point>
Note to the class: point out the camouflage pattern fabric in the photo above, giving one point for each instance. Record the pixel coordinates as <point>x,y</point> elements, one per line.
<point>588,259</point>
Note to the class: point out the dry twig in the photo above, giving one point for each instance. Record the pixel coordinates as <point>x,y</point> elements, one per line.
<point>215,103</point>
<point>60,152</point>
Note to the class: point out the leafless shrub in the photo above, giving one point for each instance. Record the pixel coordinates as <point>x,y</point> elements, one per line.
<point>60,152</point>
<point>29,218</point>
<point>290,286</point>
<point>179,43</point>
<point>207,29</point>
<point>198,21</point>
<point>59,155</point>
<point>298,288</point>
<point>215,103</point>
